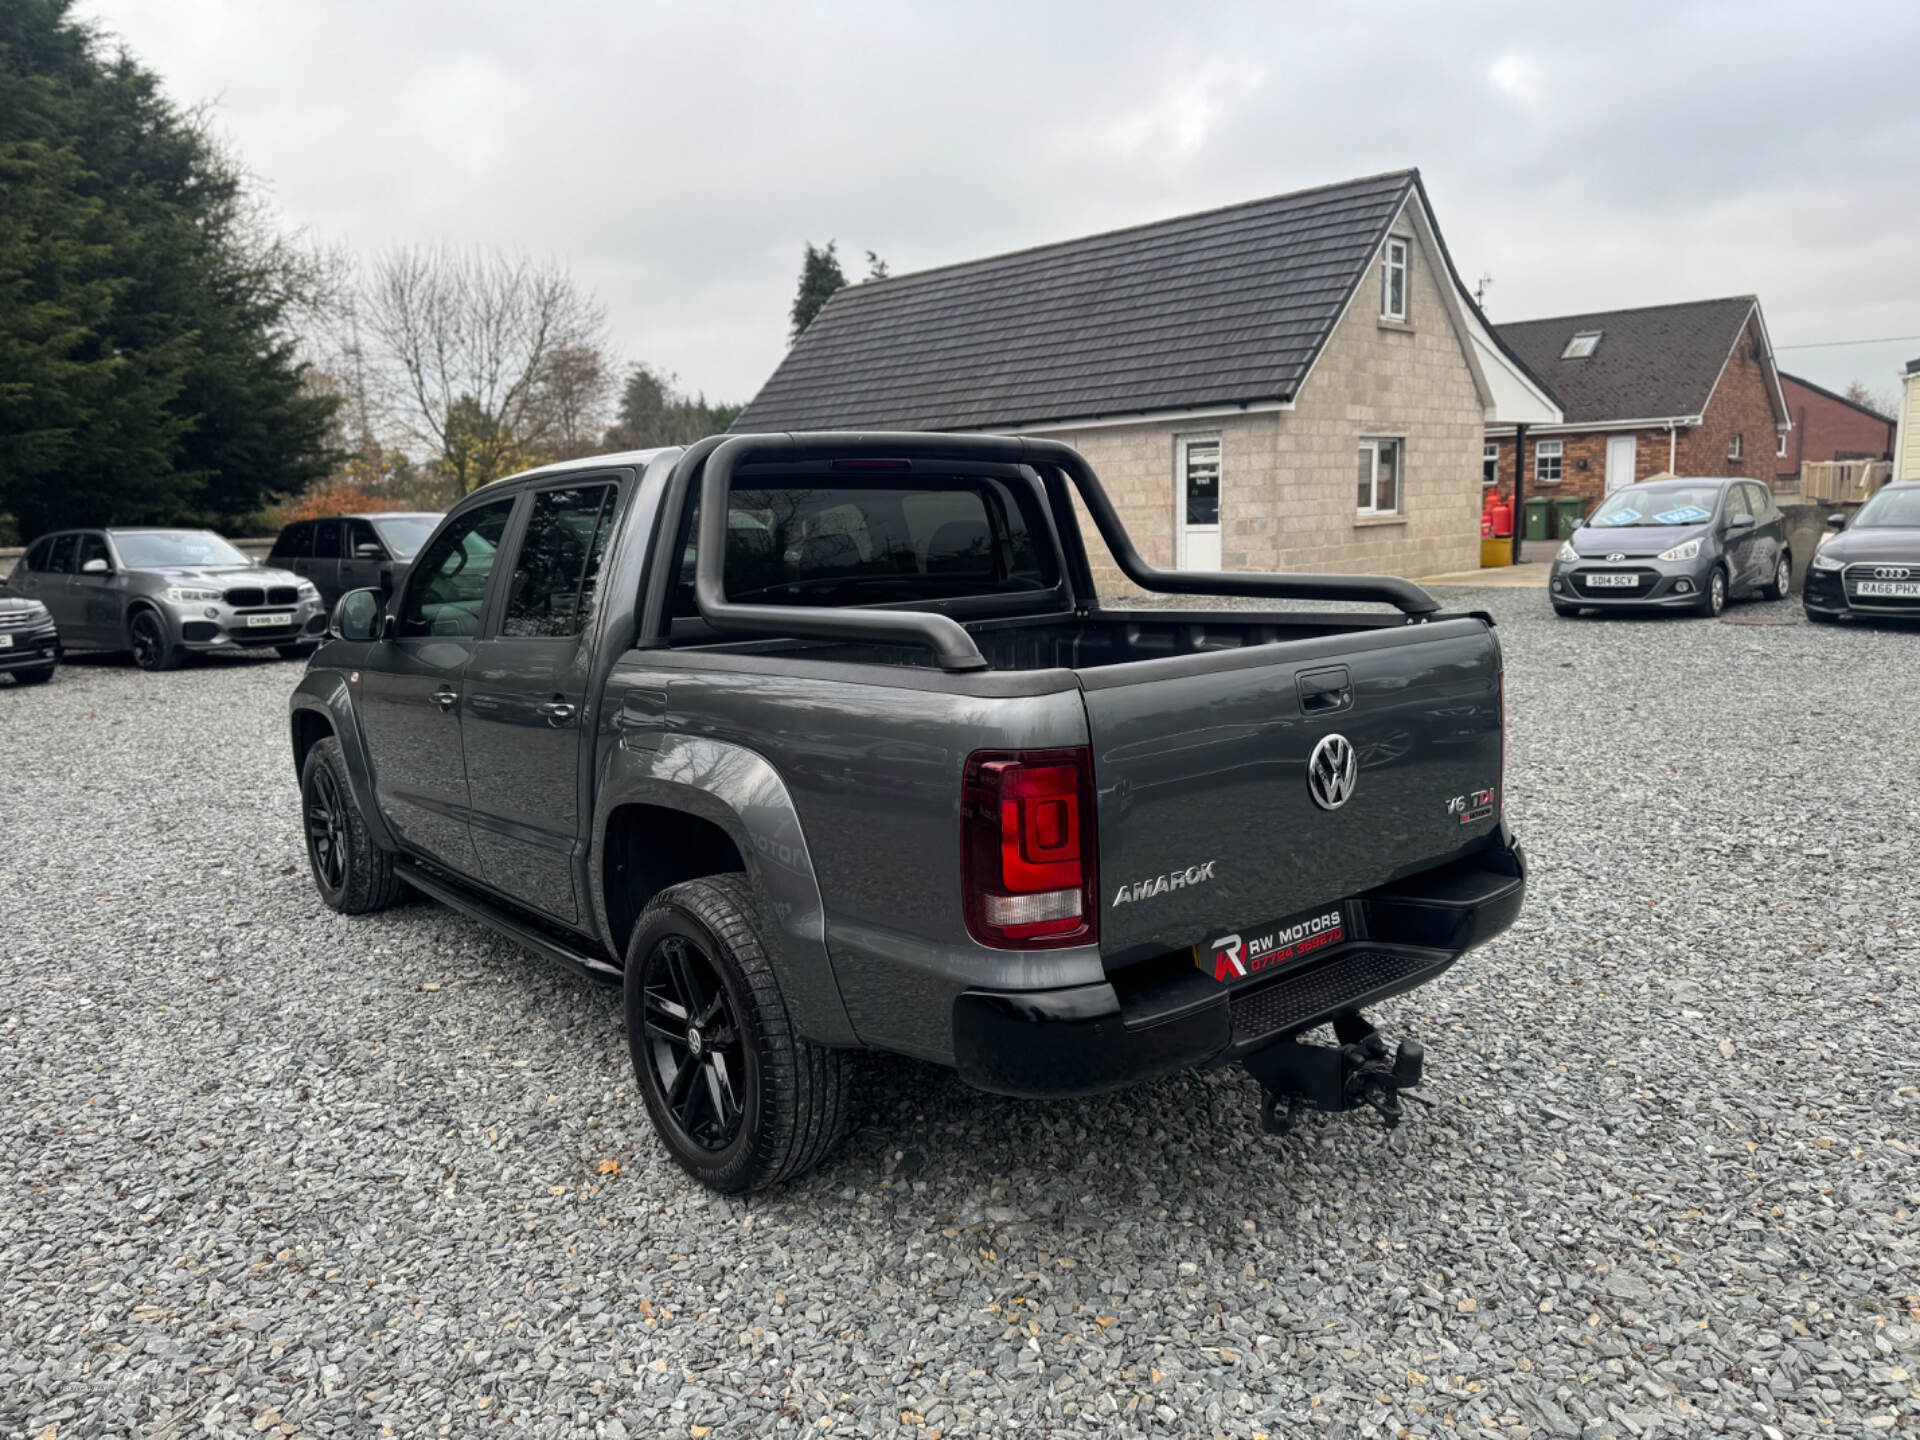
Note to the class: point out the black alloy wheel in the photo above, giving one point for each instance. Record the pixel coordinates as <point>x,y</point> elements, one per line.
<point>694,1042</point>
<point>350,871</point>
<point>738,1098</point>
<point>152,649</point>
<point>326,830</point>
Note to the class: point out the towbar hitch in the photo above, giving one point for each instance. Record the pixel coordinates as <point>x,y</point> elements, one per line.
<point>1346,1076</point>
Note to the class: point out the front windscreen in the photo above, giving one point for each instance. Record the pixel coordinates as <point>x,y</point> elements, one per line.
<point>169,549</point>
<point>405,534</point>
<point>1889,510</point>
<point>1657,505</point>
<point>824,541</point>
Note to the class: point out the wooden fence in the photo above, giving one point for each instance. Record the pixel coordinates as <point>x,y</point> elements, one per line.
<point>1845,482</point>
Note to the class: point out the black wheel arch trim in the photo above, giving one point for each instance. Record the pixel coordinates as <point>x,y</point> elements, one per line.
<point>326,694</point>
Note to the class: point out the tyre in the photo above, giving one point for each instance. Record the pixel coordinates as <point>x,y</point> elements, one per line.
<point>38,675</point>
<point>1782,583</point>
<point>1714,598</point>
<point>352,873</point>
<point>153,647</point>
<point>738,1099</point>
<point>295,652</point>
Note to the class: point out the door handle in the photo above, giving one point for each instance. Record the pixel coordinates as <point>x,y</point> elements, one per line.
<point>445,699</point>
<point>558,712</point>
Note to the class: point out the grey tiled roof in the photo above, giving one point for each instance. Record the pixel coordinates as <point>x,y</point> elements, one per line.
<point>1651,364</point>
<point>1227,306</point>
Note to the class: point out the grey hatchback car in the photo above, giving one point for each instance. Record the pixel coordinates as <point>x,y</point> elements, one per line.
<point>1682,544</point>
<point>165,594</point>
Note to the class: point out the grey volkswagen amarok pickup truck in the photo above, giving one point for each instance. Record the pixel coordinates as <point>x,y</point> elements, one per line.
<point>815,742</point>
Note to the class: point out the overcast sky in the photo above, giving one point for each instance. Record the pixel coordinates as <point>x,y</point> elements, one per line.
<point>678,157</point>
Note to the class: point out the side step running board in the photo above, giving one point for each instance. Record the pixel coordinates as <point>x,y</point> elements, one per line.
<point>495,918</point>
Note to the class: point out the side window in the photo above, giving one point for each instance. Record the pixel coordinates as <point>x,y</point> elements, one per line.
<point>359,535</point>
<point>92,547</point>
<point>554,575</point>
<point>37,556</point>
<point>326,539</point>
<point>448,586</point>
<point>295,543</point>
<point>60,562</point>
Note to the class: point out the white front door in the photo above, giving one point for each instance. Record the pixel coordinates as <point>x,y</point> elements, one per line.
<point>1196,502</point>
<point>1621,454</point>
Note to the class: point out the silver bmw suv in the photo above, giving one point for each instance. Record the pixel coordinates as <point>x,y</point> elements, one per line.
<point>165,594</point>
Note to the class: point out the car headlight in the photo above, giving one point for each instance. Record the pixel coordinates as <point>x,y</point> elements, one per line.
<point>1567,555</point>
<point>1827,562</point>
<point>307,590</point>
<point>1688,551</point>
<point>188,595</point>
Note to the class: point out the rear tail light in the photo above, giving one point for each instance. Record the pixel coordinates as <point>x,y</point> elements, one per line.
<point>1027,849</point>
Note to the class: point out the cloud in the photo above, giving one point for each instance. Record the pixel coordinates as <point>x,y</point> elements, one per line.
<point>680,157</point>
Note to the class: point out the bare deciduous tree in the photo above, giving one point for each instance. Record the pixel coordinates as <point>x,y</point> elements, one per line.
<point>575,388</point>
<point>468,341</point>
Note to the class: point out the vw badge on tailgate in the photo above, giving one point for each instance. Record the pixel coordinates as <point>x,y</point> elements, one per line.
<point>1331,772</point>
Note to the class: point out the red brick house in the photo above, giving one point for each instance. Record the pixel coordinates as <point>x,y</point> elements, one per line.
<point>1827,426</point>
<point>1685,389</point>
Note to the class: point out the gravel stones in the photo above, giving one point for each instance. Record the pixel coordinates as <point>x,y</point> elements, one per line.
<point>269,1171</point>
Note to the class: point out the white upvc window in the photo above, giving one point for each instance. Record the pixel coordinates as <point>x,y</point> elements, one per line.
<point>1490,462</point>
<point>1582,345</point>
<point>1780,445</point>
<point>1380,476</point>
<point>1733,448</point>
<point>1547,455</point>
<point>1393,281</point>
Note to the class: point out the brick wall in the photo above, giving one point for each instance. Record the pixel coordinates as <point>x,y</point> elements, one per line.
<point>1288,479</point>
<point>1825,429</point>
<point>1739,406</point>
<point>1588,449</point>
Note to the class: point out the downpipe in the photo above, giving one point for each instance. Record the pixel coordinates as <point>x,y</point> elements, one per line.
<point>1355,1072</point>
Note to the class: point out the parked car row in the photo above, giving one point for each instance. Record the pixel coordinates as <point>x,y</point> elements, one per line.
<point>1698,543</point>
<point>163,594</point>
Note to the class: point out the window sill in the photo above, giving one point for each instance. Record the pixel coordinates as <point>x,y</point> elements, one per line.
<point>1387,322</point>
<point>1363,520</point>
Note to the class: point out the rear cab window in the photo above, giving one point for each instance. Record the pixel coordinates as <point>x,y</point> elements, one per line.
<point>829,540</point>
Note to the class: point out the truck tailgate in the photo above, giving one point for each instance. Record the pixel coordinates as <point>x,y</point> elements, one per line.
<point>1207,824</point>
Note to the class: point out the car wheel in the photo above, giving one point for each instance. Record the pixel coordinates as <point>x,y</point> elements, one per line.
<point>1714,598</point>
<point>351,872</point>
<point>1782,584</point>
<point>153,648</point>
<point>39,675</point>
<point>295,652</point>
<point>740,1101</point>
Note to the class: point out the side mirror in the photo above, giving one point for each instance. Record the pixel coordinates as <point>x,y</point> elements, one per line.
<point>360,616</point>
<point>95,567</point>
<point>1836,522</point>
<point>1740,522</point>
<point>369,551</point>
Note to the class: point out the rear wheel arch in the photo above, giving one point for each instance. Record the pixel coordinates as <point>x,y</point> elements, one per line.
<point>646,849</point>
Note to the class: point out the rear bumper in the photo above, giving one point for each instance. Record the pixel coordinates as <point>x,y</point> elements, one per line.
<point>1169,1015</point>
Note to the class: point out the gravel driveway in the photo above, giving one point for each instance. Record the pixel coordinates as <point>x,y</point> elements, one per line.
<point>264,1170</point>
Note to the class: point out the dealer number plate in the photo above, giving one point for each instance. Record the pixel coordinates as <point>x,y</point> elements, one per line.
<point>1613,582</point>
<point>1260,950</point>
<point>1889,589</point>
<point>6,642</point>
<point>279,617</point>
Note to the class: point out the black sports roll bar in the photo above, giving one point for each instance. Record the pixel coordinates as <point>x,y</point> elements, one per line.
<point>948,640</point>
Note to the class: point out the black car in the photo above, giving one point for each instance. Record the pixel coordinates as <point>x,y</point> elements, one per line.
<point>1872,567</point>
<point>353,552</point>
<point>29,643</point>
<point>1682,544</point>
